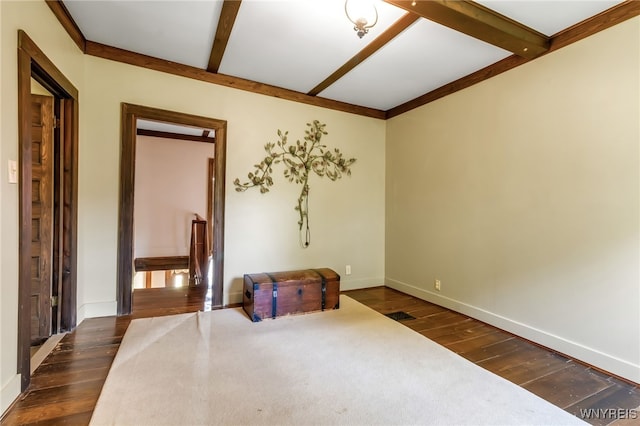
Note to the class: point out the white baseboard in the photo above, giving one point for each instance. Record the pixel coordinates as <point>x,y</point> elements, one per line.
<point>98,309</point>
<point>234,297</point>
<point>350,284</point>
<point>10,391</point>
<point>45,350</point>
<point>563,345</point>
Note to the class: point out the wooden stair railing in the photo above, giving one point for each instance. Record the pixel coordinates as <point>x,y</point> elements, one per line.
<point>199,253</point>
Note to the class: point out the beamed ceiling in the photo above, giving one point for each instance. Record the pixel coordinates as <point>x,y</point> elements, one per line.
<point>307,50</point>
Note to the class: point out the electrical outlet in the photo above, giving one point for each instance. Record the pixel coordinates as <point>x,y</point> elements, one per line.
<point>436,285</point>
<point>347,269</point>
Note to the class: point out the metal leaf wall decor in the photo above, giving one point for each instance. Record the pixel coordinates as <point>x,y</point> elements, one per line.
<point>299,160</point>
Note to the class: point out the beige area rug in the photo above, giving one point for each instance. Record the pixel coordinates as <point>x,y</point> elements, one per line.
<point>350,366</point>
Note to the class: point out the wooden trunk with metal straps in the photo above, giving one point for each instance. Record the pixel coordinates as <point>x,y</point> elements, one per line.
<point>275,294</point>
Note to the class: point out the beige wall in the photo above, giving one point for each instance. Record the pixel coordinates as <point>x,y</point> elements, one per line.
<point>38,89</point>
<point>170,187</point>
<point>37,20</point>
<point>521,194</point>
<point>347,216</point>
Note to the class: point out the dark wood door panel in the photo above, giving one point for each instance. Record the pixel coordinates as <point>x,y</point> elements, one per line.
<point>35,319</point>
<point>35,267</point>
<point>35,229</point>
<point>41,216</point>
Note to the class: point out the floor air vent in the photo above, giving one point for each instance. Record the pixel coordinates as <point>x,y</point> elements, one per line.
<point>399,316</point>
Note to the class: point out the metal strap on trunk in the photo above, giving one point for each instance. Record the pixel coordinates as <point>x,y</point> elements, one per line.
<point>274,296</point>
<point>324,288</point>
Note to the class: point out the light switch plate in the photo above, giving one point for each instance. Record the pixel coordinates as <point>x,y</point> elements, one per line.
<point>13,171</point>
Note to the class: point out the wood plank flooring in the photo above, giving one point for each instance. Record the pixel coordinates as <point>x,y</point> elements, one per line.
<point>566,383</point>
<point>66,386</point>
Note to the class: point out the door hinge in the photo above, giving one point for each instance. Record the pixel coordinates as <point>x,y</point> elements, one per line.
<point>54,301</point>
<point>56,122</point>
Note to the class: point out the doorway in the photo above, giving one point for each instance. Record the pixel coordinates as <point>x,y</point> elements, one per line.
<point>48,200</point>
<point>130,115</point>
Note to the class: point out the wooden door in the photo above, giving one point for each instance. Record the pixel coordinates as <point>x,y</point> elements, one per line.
<point>210,199</point>
<point>42,122</point>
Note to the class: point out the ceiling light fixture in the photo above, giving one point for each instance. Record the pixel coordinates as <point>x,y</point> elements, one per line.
<point>364,11</point>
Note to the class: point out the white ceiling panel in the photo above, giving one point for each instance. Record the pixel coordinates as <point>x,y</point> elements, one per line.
<point>295,44</point>
<point>179,31</point>
<point>426,56</point>
<point>549,16</point>
<point>298,44</point>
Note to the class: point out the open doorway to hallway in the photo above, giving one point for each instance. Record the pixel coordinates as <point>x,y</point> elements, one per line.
<point>147,243</point>
<point>173,187</point>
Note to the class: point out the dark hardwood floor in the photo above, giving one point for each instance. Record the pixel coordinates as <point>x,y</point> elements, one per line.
<point>66,386</point>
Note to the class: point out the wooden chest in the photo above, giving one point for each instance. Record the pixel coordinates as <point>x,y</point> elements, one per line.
<point>270,295</point>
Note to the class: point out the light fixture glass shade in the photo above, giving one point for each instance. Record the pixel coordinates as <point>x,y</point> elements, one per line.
<point>362,14</point>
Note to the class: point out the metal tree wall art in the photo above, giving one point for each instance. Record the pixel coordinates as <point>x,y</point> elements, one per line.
<point>299,160</point>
